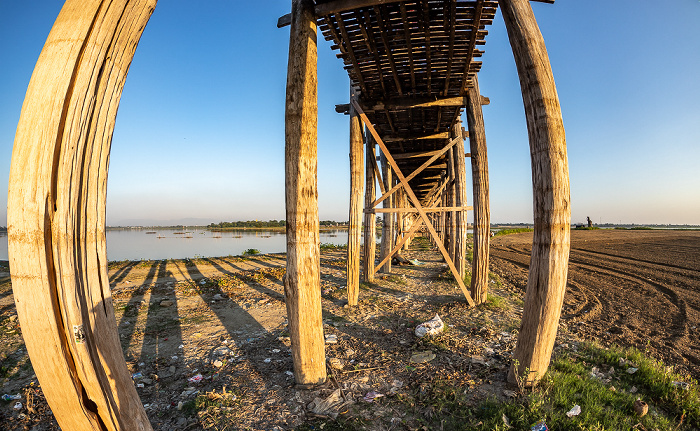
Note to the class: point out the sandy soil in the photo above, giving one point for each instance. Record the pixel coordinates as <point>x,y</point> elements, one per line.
<point>225,319</point>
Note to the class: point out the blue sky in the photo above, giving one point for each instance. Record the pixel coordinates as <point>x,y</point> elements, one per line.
<point>200,129</point>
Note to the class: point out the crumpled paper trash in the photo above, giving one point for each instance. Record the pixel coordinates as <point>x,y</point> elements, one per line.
<point>431,328</point>
<point>329,407</point>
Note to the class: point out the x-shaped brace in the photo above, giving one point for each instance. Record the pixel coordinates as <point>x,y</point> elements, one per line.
<point>414,200</point>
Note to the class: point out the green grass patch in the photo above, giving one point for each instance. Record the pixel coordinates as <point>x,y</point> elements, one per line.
<point>586,228</point>
<point>606,398</point>
<point>329,246</point>
<point>495,279</point>
<point>512,231</point>
<point>495,303</point>
<point>251,252</point>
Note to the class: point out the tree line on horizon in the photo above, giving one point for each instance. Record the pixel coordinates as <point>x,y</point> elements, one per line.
<point>263,224</point>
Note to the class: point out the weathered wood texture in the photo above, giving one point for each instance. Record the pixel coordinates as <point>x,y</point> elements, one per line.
<point>56,215</point>
<point>551,201</point>
<point>388,224</point>
<point>355,217</point>
<point>451,237</point>
<point>370,241</point>
<point>480,189</point>
<point>460,200</point>
<point>302,287</point>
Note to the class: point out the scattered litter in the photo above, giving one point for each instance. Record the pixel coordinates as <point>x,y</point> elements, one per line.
<point>7,397</point>
<point>203,282</point>
<point>267,360</point>
<point>540,426</point>
<point>395,386</point>
<point>575,411</point>
<point>289,373</point>
<point>195,379</point>
<point>371,396</point>
<point>218,364</point>
<point>632,370</point>
<point>479,360</point>
<point>415,262</point>
<point>331,339</point>
<point>139,385</point>
<point>275,350</point>
<point>505,420</point>
<point>633,390</point>
<point>218,297</point>
<point>510,394</point>
<point>180,405</point>
<point>422,357</point>
<point>18,406</point>
<point>683,385</point>
<point>641,408</point>
<point>335,363</point>
<point>174,358</point>
<point>142,364</point>
<point>329,407</point>
<point>181,346</point>
<point>137,375</point>
<point>432,327</point>
<point>166,303</point>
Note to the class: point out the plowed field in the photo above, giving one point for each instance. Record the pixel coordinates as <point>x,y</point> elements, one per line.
<point>628,287</point>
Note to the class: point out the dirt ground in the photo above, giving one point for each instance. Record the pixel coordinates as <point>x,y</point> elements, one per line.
<point>206,339</point>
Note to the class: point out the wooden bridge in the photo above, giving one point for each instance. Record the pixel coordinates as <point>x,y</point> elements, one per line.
<point>412,68</point>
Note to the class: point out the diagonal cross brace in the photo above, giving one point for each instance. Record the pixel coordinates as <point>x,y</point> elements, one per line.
<point>414,200</point>
<point>416,172</point>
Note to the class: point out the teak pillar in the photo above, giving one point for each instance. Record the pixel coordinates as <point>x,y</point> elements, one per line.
<point>302,288</point>
<point>388,224</point>
<point>451,237</point>
<point>56,215</point>
<point>460,199</point>
<point>370,218</point>
<point>356,190</point>
<point>480,188</point>
<point>546,282</point>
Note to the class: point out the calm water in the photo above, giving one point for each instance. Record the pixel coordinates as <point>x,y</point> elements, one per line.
<point>179,244</point>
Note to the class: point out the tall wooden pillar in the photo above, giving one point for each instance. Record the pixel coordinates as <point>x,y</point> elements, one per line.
<point>355,217</point>
<point>302,287</point>
<point>460,199</point>
<point>546,282</point>
<point>480,188</point>
<point>370,238</point>
<point>451,199</point>
<point>388,225</point>
<point>56,215</point>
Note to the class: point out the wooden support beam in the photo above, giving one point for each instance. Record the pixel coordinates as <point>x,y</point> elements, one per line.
<point>460,200</point>
<point>484,100</point>
<point>546,282</point>
<point>480,190</point>
<point>399,244</point>
<point>302,287</point>
<point>440,135</point>
<point>414,200</point>
<point>451,242</point>
<point>355,216</point>
<point>420,169</point>
<point>414,210</point>
<point>370,239</point>
<point>472,44</point>
<point>414,102</point>
<point>388,224</point>
<point>56,215</point>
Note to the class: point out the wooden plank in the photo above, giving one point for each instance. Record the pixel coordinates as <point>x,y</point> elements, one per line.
<point>409,46</point>
<point>460,200</point>
<point>56,215</point>
<point>302,287</point>
<point>546,281</point>
<point>355,217</point>
<point>336,6</point>
<point>414,102</point>
<point>415,155</point>
<point>472,44</point>
<point>387,49</point>
<point>350,51</point>
<point>414,200</point>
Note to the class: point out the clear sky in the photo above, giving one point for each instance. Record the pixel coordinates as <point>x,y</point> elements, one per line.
<point>200,130</point>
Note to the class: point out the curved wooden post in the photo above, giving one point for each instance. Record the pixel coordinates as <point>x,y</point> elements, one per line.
<point>546,282</point>
<point>480,188</point>
<point>56,215</point>
<point>356,189</point>
<point>370,239</point>
<point>302,285</point>
<point>460,199</point>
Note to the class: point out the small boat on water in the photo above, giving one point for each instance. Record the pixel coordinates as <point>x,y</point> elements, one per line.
<point>160,236</point>
<point>150,233</point>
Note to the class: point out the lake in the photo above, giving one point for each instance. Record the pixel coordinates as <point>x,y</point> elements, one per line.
<point>135,244</point>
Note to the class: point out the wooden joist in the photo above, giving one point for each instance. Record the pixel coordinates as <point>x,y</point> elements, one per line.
<point>414,210</point>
